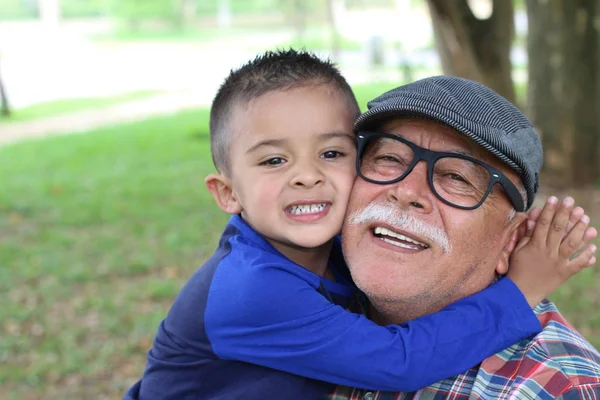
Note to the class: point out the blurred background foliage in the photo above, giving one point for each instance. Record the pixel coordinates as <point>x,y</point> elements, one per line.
<point>99,231</point>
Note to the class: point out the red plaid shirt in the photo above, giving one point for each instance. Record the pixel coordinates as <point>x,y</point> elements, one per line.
<point>558,363</point>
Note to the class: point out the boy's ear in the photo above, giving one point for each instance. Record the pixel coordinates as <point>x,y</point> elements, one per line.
<point>220,187</point>
<point>510,239</point>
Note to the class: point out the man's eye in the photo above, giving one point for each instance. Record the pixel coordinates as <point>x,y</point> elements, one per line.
<point>273,161</point>
<point>389,159</point>
<point>456,177</point>
<point>331,154</point>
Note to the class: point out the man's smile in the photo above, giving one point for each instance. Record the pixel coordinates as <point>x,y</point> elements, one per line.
<point>398,239</point>
<point>402,240</point>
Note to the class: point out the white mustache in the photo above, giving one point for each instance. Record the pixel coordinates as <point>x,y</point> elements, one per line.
<point>390,215</point>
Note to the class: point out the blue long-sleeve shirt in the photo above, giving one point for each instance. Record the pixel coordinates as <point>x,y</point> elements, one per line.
<point>251,324</point>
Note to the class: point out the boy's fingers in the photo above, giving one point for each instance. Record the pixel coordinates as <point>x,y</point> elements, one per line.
<point>526,229</point>
<point>559,223</point>
<point>590,233</point>
<point>530,227</point>
<point>574,241</point>
<point>534,213</point>
<point>574,218</point>
<point>544,220</point>
<point>585,259</point>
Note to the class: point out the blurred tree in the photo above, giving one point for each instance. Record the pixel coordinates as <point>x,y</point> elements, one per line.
<point>188,11</point>
<point>133,12</point>
<point>49,12</point>
<point>18,9</point>
<point>5,108</point>
<point>477,49</point>
<point>83,9</point>
<point>358,4</point>
<point>224,14</point>
<point>299,12</point>
<point>334,8</point>
<point>564,87</point>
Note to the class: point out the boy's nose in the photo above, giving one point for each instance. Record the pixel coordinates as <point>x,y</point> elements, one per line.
<point>307,176</point>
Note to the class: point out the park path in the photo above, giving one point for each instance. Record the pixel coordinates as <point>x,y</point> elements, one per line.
<point>84,121</point>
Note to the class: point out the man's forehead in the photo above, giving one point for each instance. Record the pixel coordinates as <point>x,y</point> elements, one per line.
<point>429,128</point>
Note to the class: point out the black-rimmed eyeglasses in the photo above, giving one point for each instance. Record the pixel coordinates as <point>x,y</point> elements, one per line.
<point>456,179</point>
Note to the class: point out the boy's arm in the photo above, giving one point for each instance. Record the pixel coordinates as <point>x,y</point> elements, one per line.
<point>285,324</point>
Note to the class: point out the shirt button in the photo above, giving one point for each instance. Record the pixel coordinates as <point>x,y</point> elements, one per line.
<point>368,396</point>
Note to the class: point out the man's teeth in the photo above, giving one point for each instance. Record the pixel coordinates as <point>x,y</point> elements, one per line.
<point>386,232</point>
<point>306,209</point>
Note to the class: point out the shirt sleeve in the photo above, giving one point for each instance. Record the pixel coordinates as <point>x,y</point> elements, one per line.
<point>582,392</point>
<point>277,320</point>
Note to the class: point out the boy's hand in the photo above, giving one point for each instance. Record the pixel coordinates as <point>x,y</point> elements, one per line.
<point>546,255</point>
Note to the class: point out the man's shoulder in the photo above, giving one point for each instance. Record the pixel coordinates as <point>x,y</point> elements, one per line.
<point>557,360</point>
<point>562,347</point>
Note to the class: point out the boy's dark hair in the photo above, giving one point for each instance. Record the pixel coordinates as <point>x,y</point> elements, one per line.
<point>270,71</point>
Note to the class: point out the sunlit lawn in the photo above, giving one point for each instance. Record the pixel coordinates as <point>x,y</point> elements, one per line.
<point>59,107</point>
<point>97,234</point>
<point>317,37</point>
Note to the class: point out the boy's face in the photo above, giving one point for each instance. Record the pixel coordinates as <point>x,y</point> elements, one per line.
<point>292,160</point>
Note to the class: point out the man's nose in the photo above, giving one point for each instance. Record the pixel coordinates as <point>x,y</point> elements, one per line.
<point>413,192</point>
<point>306,174</point>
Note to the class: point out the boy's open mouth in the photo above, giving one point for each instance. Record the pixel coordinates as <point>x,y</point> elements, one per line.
<point>398,239</point>
<point>302,209</point>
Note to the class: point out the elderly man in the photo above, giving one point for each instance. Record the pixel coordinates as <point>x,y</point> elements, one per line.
<point>445,163</point>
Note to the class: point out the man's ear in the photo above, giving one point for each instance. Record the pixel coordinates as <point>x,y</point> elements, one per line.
<point>220,187</point>
<point>510,238</point>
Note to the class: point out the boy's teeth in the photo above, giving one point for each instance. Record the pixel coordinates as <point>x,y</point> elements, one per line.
<point>386,232</point>
<point>306,209</point>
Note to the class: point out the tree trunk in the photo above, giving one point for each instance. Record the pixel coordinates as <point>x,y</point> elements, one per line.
<point>50,12</point>
<point>564,88</point>
<point>224,14</point>
<point>334,7</point>
<point>299,17</point>
<point>472,48</point>
<point>188,10</point>
<point>5,108</point>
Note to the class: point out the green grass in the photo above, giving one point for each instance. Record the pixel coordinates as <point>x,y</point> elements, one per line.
<point>58,107</point>
<point>319,38</point>
<point>314,38</point>
<point>166,35</point>
<point>98,231</point>
<point>181,35</point>
<point>97,234</point>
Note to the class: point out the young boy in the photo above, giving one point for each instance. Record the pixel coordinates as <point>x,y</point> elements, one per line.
<point>265,317</point>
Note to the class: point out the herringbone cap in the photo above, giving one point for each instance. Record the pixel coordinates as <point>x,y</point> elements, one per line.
<point>472,109</point>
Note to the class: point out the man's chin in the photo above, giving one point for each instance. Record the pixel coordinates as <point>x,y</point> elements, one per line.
<point>381,282</point>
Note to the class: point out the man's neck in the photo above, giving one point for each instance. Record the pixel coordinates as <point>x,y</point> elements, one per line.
<point>386,313</point>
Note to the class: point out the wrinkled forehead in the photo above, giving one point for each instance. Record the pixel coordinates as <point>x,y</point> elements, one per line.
<point>433,135</point>
<point>437,136</point>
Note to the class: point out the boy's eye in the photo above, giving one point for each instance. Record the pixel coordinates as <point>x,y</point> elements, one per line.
<point>273,161</point>
<point>331,154</point>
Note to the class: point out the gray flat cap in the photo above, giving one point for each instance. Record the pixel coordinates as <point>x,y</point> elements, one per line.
<point>473,110</point>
